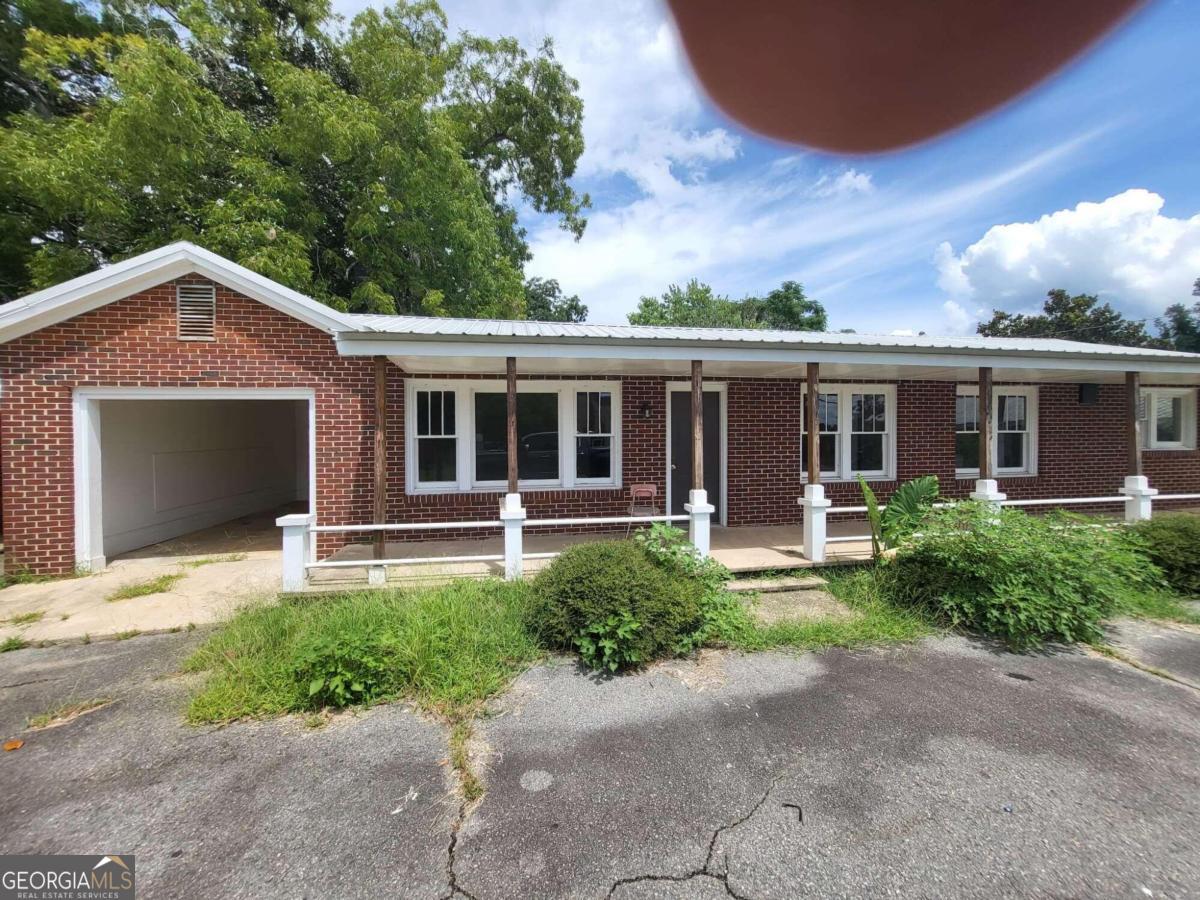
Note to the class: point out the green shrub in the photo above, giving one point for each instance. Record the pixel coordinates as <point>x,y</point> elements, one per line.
<point>611,644</point>
<point>589,585</point>
<point>903,514</point>
<point>1022,578</point>
<point>343,668</point>
<point>1173,543</point>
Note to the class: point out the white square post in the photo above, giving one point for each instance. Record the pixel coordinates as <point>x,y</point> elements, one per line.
<point>700,523</point>
<point>987,490</point>
<point>513,517</point>
<point>1139,496</point>
<point>815,507</point>
<point>296,540</point>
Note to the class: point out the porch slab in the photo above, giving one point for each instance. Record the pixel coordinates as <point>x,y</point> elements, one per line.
<point>775,548</point>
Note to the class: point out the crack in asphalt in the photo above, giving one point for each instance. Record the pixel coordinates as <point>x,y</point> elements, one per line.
<point>451,875</point>
<point>707,870</point>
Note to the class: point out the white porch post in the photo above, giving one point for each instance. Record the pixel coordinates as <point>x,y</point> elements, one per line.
<point>296,538</point>
<point>815,506</point>
<point>513,517</point>
<point>700,523</point>
<point>988,491</point>
<point>1139,496</point>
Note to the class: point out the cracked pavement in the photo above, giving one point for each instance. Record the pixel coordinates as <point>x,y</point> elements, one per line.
<point>943,769</point>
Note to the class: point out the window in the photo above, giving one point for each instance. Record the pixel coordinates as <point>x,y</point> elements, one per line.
<point>568,434</point>
<point>827,427</point>
<point>437,438</point>
<point>195,312</point>
<point>1169,418</point>
<point>537,437</point>
<point>593,435</point>
<point>966,431</point>
<point>1014,417</point>
<point>857,431</point>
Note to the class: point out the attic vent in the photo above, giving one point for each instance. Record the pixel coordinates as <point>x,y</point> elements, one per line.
<point>196,311</point>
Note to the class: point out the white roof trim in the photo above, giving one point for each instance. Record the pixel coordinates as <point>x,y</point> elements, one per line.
<point>119,280</point>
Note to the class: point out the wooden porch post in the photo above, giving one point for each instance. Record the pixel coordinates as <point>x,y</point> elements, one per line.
<point>985,422</point>
<point>511,367</point>
<point>811,437</point>
<point>380,487</point>
<point>1133,435</point>
<point>697,426</point>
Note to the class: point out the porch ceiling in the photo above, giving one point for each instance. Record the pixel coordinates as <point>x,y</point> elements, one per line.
<point>833,371</point>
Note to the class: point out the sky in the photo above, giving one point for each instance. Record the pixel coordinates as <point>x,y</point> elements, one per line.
<point>1088,183</point>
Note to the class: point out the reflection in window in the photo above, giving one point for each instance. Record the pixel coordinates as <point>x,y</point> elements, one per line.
<point>868,425</point>
<point>437,438</point>
<point>966,432</point>
<point>537,437</point>
<point>593,435</point>
<point>827,426</point>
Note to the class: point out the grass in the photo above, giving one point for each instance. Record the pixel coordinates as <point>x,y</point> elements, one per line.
<point>144,588</point>
<point>209,560</point>
<point>13,643</point>
<point>447,648</point>
<point>27,618</point>
<point>1160,605</point>
<point>876,620</point>
<point>64,712</point>
<point>119,636</point>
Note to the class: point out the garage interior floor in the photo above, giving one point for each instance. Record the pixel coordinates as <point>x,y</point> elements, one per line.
<point>254,533</point>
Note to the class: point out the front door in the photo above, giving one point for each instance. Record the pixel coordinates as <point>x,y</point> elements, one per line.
<point>681,450</point>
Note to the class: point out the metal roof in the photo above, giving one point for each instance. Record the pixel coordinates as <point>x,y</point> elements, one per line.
<point>419,327</point>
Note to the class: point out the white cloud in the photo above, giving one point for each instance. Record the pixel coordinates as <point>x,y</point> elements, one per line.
<point>1122,248</point>
<point>846,182</point>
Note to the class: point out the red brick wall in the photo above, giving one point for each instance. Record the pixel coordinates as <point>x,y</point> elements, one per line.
<point>132,343</point>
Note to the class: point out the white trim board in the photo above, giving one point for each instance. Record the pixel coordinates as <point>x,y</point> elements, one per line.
<point>123,279</point>
<point>88,509</point>
<point>722,389</point>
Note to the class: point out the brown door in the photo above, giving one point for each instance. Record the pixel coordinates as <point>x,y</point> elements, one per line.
<point>681,450</point>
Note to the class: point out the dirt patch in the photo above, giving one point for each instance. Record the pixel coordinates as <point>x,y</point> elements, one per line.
<point>798,606</point>
<point>703,672</point>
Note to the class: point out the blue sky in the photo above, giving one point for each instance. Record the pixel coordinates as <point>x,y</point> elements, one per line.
<point>1089,183</point>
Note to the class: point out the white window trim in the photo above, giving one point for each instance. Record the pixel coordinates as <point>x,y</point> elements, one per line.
<point>464,390</point>
<point>1030,393</point>
<point>844,472</point>
<point>1150,397</point>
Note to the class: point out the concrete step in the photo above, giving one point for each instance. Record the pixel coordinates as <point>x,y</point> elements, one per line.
<point>773,585</point>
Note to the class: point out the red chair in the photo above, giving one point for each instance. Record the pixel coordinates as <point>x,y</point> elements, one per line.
<point>643,501</point>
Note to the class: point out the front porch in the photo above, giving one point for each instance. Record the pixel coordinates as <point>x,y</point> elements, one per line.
<point>741,550</point>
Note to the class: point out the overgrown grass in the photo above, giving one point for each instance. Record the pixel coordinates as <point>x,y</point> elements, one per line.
<point>447,648</point>
<point>64,712</point>
<point>144,588</point>
<point>876,619</point>
<point>1161,605</point>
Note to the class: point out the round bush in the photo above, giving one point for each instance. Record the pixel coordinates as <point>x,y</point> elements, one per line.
<point>1026,579</point>
<point>609,601</point>
<point>1173,543</point>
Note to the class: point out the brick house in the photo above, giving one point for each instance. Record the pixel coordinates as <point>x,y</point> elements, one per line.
<point>177,390</point>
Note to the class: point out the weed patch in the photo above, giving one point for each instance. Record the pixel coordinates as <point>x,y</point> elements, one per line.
<point>210,560</point>
<point>13,643</point>
<point>64,712</point>
<point>144,588</point>
<point>27,618</point>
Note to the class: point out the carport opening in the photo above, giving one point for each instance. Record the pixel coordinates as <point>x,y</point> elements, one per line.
<point>187,477</point>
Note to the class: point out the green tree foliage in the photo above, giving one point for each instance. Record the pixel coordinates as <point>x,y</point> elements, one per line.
<point>696,305</point>
<point>1077,318</point>
<point>1179,327</point>
<point>372,166</point>
<point>544,302</point>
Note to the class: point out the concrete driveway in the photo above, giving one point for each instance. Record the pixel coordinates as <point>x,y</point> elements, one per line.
<point>944,769</point>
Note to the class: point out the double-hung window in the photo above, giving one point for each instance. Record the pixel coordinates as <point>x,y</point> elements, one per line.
<point>436,439</point>
<point>568,434</point>
<point>857,426</point>
<point>1169,418</point>
<point>1014,430</point>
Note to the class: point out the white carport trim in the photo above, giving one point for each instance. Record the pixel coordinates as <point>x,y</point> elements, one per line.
<point>89,514</point>
<point>373,345</point>
<point>119,280</point>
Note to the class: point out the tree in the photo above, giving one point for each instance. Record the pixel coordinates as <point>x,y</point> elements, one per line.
<point>1078,318</point>
<point>544,302</point>
<point>785,308</point>
<point>374,167</point>
<point>693,305</point>
<point>1179,328</point>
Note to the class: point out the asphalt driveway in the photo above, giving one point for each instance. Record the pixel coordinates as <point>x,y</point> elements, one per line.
<point>939,770</point>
